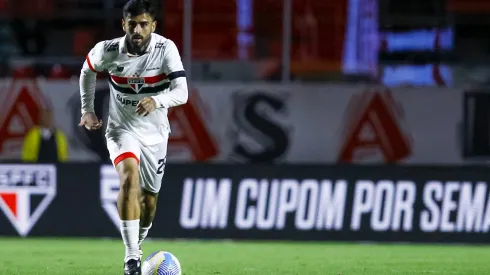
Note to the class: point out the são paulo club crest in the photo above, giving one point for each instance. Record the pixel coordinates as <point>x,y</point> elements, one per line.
<point>26,191</point>
<point>136,83</point>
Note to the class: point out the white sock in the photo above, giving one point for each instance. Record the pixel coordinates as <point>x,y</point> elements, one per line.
<point>143,233</point>
<point>129,233</point>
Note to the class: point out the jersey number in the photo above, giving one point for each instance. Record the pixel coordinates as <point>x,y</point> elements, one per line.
<point>161,166</point>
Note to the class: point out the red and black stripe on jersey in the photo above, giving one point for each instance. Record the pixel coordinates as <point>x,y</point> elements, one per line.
<point>116,81</point>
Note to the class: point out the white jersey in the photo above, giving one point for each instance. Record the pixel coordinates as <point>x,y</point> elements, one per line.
<point>158,73</point>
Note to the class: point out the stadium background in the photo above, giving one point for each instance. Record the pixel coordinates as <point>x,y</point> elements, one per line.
<point>318,120</point>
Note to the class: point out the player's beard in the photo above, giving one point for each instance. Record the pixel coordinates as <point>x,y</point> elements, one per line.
<point>137,47</point>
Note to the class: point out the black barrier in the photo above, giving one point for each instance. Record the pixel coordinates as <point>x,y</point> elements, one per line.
<point>350,203</point>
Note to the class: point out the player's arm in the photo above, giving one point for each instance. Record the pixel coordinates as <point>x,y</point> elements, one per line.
<point>88,77</point>
<point>174,69</point>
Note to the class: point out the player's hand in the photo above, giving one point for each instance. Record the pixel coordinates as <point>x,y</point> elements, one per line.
<point>90,121</point>
<point>146,106</point>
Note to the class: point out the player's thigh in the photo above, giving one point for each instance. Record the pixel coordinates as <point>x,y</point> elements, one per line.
<point>124,151</point>
<point>152,166</point>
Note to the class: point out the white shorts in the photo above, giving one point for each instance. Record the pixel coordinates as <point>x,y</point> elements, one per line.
<point>151,159</point>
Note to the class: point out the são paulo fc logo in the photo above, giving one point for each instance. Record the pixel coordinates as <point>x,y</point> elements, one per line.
<point>136,83</point>
<point>25,193</point>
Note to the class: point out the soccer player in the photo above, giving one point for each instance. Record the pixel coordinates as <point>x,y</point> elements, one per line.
<point>146,78</point>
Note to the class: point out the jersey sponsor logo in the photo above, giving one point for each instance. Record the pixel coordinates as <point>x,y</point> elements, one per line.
<point>19,112</point>
<point>159,45</point>
<point>26,191</point>
<point>125,101</point>
<point>375,129</point>
<point>109,188</point>
<point>136,83</point>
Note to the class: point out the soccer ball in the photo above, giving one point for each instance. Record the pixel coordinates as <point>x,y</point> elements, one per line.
<point>161,263</point>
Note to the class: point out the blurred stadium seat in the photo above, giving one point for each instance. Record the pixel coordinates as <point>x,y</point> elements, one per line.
<point>246,33</point>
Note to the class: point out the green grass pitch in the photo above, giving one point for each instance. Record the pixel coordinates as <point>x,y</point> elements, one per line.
<point>101,257</point>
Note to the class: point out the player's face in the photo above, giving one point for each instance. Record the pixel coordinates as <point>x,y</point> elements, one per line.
<point>138,29</point>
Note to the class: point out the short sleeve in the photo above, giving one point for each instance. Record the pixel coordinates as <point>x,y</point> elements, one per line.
<point>173,66</point>
<point>95,58</point>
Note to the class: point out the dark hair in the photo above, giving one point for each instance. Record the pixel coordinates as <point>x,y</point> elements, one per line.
<point>137,7</point>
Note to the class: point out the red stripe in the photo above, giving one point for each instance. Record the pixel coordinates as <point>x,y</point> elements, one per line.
<point>11,200</point>
<point>90,64</point>
<point>124,156</point>
<point>148,79</point>
<point>155,79</point>
<point>119,79</point>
